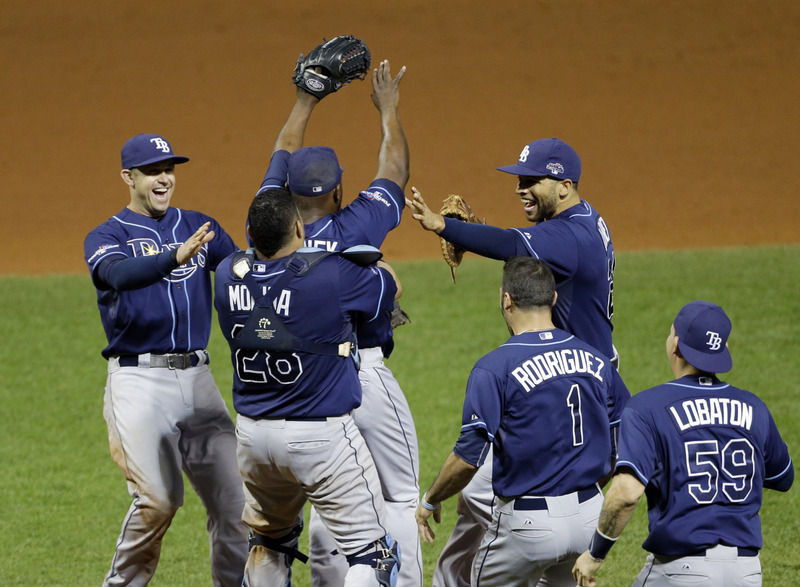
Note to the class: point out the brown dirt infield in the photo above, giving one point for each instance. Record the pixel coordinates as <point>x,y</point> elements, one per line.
<point>684,112</point>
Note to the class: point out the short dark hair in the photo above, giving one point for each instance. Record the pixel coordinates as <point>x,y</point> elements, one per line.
<point>272,217</point>
<point>529,282</point>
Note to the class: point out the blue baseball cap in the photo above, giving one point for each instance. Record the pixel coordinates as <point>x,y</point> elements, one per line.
<point>145,149</point>
<point>313,171</point>
<point>703,329</point>
<point>547,158</point>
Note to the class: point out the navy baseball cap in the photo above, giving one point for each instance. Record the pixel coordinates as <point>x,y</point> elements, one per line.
<point>703,329</point>
<point>145,149</point>
<point>547,158</point>
<point>313,171</point>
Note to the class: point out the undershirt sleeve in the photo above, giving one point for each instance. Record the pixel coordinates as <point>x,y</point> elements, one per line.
<point>135,272</point>
<point>485,240</point>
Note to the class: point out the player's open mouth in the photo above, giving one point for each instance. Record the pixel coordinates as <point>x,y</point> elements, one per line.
<point>161,193</point>
<point>530,205</point>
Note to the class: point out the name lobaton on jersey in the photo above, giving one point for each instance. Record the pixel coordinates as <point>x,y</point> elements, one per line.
<point>712,411</point>
<point>545,366</point>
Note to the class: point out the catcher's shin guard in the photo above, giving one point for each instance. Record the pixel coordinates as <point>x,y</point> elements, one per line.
<point>382,555</point>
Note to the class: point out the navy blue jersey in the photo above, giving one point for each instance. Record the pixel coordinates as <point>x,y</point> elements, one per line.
<point>365,221</point>
<point>321,305</point>
<point>576,245</point>
<point>703,449</point>
<point>172,315</point>
<point>549,403</point>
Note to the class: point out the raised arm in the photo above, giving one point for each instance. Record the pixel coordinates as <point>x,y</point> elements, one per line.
<point>393,158</point>
<point>293,132</point>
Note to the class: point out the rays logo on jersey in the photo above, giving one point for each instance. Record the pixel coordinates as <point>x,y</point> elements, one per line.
<point>143,247</point>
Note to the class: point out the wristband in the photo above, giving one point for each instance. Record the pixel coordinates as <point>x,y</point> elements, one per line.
<point>600,545</point>
<point>427,506</point>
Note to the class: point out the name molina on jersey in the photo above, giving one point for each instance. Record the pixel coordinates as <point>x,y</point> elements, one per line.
<point>240,300</point>
<point>708,411</point>
<point>545,366</point>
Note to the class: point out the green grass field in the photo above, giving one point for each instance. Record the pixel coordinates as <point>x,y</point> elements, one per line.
<point>62,500</point>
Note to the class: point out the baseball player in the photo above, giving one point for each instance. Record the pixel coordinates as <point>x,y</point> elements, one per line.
<point>384,418</point>
<point>702,450</point>
<point>574,240</point>
<point>151,266</point>
<point>289,317</point>
<point>548,403</point>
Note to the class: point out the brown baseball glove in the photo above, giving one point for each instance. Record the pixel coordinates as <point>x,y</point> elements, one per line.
<point>399,316</point>
<point>454,206</point>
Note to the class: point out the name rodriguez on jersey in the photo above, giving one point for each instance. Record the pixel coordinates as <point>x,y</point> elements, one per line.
<point>545,366</point>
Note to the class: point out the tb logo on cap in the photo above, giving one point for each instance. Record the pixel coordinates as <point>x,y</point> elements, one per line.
<point>523,157</point>
<point>714,341</point>
<point>161,144</point>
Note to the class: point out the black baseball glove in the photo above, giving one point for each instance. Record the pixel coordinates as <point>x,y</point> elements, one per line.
<point>331,65</point>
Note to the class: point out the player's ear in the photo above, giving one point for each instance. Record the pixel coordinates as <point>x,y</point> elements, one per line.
<point>672,344</point>
<point>126,175</point>
<point>564,188</point>
<point>506,300</point>
<point>555,298</point>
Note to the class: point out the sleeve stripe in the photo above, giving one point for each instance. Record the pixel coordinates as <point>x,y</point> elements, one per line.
<point>782,473</point>
<point>106,256</point>
<point>380,297</point>
<point>630,465</point>
<point>525,241</point>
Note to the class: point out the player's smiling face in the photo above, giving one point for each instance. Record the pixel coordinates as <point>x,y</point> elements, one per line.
<point>151,187</point>
<point>539,197</point>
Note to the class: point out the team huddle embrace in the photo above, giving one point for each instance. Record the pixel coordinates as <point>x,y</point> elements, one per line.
<point>323,430</point>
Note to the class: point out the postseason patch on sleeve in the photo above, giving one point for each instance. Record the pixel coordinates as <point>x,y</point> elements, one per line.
<point>101,250</point>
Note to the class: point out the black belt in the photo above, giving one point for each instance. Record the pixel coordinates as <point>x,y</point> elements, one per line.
<point>741,550</point>
<point>168,361</point>
<point>306,418</point>
<point>540,503</point>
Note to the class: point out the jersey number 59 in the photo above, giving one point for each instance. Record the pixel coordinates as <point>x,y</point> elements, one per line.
<point>733,465</point>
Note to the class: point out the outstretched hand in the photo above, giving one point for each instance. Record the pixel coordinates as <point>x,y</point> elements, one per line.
<point>385,93</point>
<point>585,569</point>
<point>194,243</point>
<point>428,219</point>
<point>423,514</point>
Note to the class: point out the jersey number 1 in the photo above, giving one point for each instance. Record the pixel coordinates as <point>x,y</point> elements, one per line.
<point>574,403</point>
